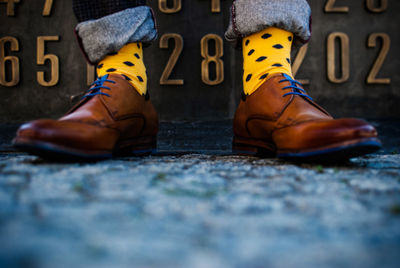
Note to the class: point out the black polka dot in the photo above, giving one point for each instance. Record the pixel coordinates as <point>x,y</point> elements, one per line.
<point>290,38</point>
<point>277,65</point>
<point>248,77</point>
<point>277,46</point>
<point>140,78</point>
<point>128,63</point>
<point>266,36</point>
<point>138,45</point>
<point>112,53</point>
<point>263,76</point>
<point>100,66</point>
<point>111,70</point>
<point>247,42</point>
<point>126,77</point>
<point>137,56</point>
<point>288,60</point>
<point>251,52</point>
<point>261,58</point>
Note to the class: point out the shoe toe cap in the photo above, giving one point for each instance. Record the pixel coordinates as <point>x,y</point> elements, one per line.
<point>322,133</point>
<point>35,129</point>
<point>65,133</point>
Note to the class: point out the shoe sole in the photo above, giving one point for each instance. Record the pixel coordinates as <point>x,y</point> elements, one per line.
<point>253,147</point>
<point>54,152</point>
<point>335,152</point>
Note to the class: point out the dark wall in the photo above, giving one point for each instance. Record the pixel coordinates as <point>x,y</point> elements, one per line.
<point>195,100</point>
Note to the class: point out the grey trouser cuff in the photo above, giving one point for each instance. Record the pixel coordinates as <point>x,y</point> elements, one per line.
<point>109,34</point>
<point>251,16</point>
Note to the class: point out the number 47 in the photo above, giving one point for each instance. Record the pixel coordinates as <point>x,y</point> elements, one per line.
<point>11,7</point>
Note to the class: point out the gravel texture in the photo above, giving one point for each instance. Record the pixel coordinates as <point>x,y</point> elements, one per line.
<point>199,210</point>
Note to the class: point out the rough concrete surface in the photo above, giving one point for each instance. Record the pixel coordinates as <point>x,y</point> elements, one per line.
<point>199,210</point>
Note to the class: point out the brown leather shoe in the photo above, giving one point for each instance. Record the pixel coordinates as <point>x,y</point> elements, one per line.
<point>113,118</point>
<point>279,118</point>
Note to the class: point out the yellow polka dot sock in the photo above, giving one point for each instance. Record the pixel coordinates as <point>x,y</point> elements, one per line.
<point>128,61</point>
<point>265,53</point>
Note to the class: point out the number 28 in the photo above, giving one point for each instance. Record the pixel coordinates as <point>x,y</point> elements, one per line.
<point>370,4</point>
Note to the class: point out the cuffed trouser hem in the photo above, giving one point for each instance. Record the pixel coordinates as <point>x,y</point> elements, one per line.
<point>251,16</point>
<point>109,34</point>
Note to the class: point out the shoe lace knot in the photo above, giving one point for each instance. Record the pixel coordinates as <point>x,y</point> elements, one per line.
<point>295,86</point>
<point>97,86</point>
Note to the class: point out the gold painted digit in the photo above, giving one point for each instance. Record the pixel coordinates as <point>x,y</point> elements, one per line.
<point>330,8</point>
<point>382,7</point>
<point>10,6</point>
<point>90,74</point>
<point>14,46</point>
<point>219,64</point>
<point>345,57</point>
<point>164,80</point>
<point>298,61</point>
<point>215,6</point>
<point>176,7</point>
<point>47,8</point>
<point>41,58</point>
<point>371,79</point>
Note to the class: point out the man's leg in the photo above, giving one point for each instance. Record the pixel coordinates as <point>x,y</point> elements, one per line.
<point>276,115</point>
<point>111,34</point>
<point>115,115</point>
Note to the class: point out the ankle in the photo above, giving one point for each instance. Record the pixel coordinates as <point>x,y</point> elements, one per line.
<point>128,62</point>
<point>265,53</point>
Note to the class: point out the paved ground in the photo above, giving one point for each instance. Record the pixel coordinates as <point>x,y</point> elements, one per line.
<point>200,210</point>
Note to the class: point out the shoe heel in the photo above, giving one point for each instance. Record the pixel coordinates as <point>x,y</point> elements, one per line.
<point>144,152</point>
<point>252,147</point>
<point>140,147</point>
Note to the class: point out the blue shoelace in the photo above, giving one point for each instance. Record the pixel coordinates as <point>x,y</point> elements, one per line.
<point>98,85</point>
<point>295,86</point>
